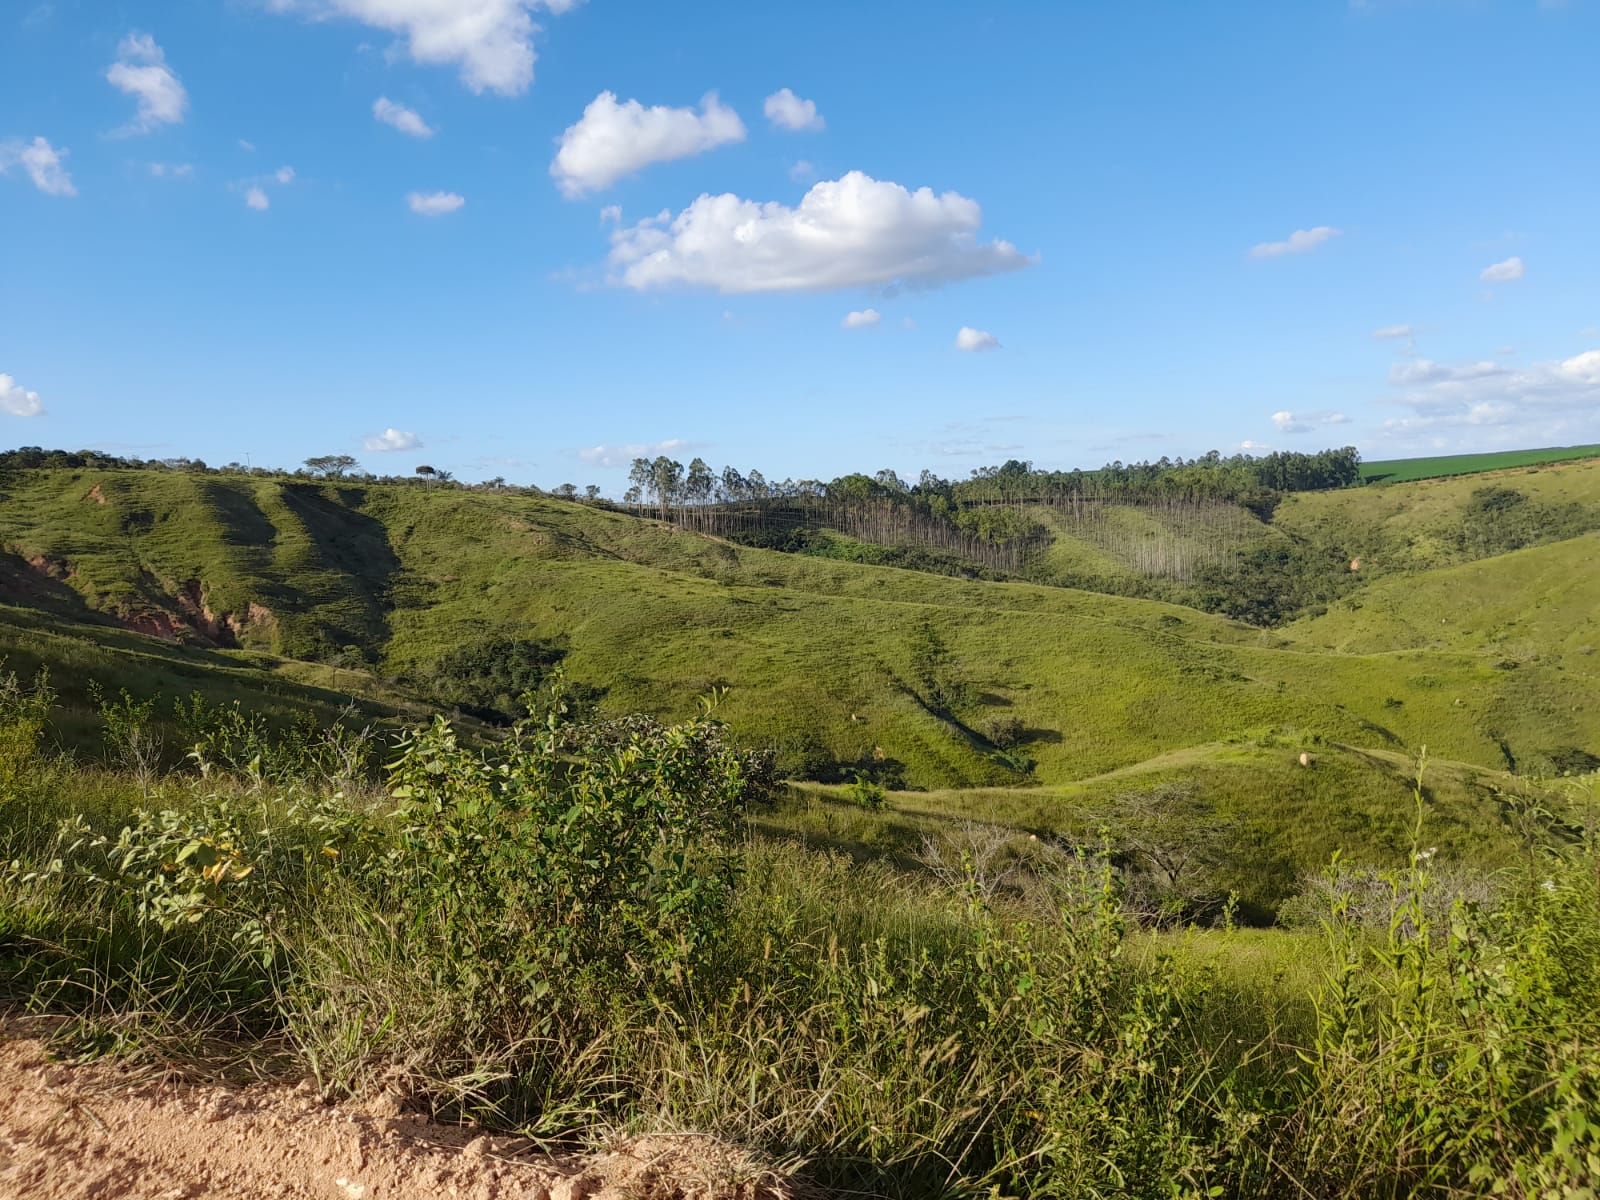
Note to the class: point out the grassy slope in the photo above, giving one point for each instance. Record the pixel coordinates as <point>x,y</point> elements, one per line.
<point>75,654</point>
<point>658,616</point>
<point>1407,527</point>
<point>1292,817</point>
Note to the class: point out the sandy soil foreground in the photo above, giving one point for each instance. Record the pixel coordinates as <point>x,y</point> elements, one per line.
<point>102,1131</point>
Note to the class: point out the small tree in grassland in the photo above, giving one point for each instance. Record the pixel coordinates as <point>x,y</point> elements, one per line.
<point>1174,841</point>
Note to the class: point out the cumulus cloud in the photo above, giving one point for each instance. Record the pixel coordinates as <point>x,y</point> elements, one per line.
<point>1537,405</point>
<point>850,232</point>
<point>622,456</point>
<point>491,41</point>
<point>17,400</point>
<point>614,139</point>
<point>390,439</point>
<point>41,162</point>
<point>864,319</point>
<point>787,111</point>
<point>1248,445</point>
<point>1305,422</point>
<point>1503,272</point>
<point>973,340</point>
<point>257,199</point>
<point>284,175</point>
<point>434,204</point>
<point>141,71</point>
<point>1298,242</point>
<point>611,214</point>
<point>402,118</point>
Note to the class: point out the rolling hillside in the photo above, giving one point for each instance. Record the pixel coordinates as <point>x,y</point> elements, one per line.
<point>840,666</point>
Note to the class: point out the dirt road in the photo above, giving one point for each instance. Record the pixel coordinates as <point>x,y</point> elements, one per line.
<point>100,1131</point>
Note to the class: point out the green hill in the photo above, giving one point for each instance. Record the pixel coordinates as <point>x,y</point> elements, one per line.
<point>917,679</point>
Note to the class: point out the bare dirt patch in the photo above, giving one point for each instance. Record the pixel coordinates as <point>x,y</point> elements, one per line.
<point>101,1130</point>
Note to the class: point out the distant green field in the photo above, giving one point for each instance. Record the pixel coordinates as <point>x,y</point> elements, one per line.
<point>1404,470</point>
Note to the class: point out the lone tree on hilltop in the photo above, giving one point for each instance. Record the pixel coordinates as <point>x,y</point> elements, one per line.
<point>426,471</point>
<point>330,466</point>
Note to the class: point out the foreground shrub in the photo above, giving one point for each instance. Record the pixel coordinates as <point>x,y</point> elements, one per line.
<point>570,931</point>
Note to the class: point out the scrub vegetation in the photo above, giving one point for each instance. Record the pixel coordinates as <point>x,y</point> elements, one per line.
<point>1115,868</point>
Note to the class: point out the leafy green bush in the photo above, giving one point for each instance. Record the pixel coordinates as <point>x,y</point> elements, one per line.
<point>868,793</point>
<point>1497,520</point>
<point>1005,731</point>
<point>490,677</point>
<point>1273,583</point>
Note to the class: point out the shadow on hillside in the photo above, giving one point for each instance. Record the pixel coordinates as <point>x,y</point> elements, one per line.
<point>28,586</point>
<point>349,602</point>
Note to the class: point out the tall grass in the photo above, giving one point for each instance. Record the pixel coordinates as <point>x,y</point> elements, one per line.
<point>573,932</point>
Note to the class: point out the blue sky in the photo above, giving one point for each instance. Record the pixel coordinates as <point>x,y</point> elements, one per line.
<point>531,239</point>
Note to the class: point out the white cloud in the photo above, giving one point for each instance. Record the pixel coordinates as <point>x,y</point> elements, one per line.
<point>141,71</point>
<point>787,111</point>
<point>434,204</point>
<point>622,456</point>
<point>257,199</point>
<point>802,172</point>
<point>611,214</point>
<point>284,175</point>
<point>1305,422</point>
<point>171,170</point>
<point>17,400</point>
<point>390,439</point>
<point>864,319</point>
<point>1426,371</point>
<point>1247,444</point>
<point>851,232</point>
<point>42,163</point>
<point>1298,242</point>
<point>491,41</point>
<point>611,140</point>
<point>973,340</point>
<point>1542,404</point>
<point>1503,272</point>
<point>1395,332</point>
<point>402,118</point>
<point>244,145</point>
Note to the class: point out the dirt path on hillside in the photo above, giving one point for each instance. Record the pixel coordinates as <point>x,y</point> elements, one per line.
<point>105,1132</point>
